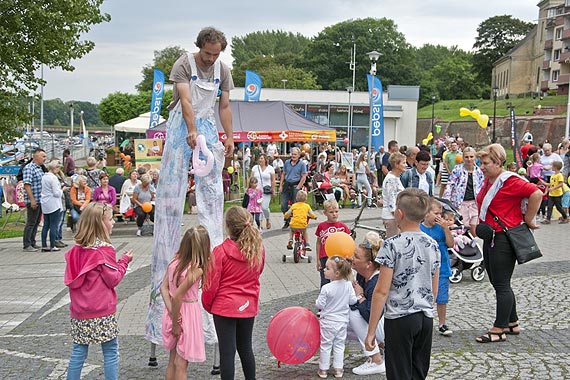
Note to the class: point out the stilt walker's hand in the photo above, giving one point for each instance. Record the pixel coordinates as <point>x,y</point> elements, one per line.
<point>191,138</point>
<point>229,147</point>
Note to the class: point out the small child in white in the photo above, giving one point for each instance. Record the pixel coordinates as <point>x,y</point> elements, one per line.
<point>334,302</point>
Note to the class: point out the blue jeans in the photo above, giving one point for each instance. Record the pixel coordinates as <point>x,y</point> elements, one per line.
<point>74,215</point>
<point>110,360</point>
<point>51,224</point>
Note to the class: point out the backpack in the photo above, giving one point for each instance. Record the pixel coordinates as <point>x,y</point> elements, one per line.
<point>20,175</point>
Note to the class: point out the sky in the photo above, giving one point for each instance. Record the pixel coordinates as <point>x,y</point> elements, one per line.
<point>127,43</point>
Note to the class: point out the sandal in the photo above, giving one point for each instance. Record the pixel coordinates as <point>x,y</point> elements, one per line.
<point>511,330</point>
<point>487,338</point>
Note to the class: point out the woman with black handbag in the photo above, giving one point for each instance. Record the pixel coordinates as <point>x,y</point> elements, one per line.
<point>501,203</point>
<point>265,175</point>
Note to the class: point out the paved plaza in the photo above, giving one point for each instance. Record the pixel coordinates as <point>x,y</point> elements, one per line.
<point>34,314</point>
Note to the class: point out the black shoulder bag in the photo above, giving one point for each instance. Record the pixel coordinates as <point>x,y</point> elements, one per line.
<point>522,241</point>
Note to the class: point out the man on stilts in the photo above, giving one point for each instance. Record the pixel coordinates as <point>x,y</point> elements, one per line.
<point>199,78</point>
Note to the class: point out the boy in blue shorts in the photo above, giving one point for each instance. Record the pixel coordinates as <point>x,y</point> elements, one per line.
<point>438,228</point>
<point>407,285</point>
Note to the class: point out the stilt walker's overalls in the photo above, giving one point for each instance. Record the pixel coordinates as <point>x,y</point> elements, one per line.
<point>171,193</point>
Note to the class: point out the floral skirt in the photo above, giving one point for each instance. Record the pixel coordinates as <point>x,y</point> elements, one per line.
<point>94,330</point>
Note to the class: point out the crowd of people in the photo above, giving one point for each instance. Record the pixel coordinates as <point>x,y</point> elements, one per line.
<point>479,184</point>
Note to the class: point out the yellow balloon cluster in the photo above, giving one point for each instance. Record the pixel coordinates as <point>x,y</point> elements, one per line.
<point>482,119</point>
<point>427,139</point>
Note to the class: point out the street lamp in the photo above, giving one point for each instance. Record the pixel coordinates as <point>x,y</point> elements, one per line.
<point>373,56</point>
<point>495,91</point>
<point>71,131</point>
<point>284,82</point>
<point>350,89</point>
<point>433,99</point>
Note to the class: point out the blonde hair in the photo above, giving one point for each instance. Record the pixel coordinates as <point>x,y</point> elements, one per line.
<point>241,230</point>
<point>91,161</point>
<point>396,158</point>
<point>252,182</point>
<point>145,179</point>
<point>301,196</point>
<point>342,266</point>
<point>371,245</point>
<point>194,252</point>
<point>535,157</point>
<point>329,204</point>
<point>495,152</point>
<point>469,149</point>
<point>78,179</point>
<point>91,225</point>
<point>53,164</point>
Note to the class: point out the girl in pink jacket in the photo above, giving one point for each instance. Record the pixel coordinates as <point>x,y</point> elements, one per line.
<point>231,292</point>
<point>92,273</point>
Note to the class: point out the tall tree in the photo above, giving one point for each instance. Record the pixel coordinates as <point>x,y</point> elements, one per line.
<point>329,54</point>
<point>33,33</point>
<point>495,37</point>
<point>267,44</point>
<point>164,60</point>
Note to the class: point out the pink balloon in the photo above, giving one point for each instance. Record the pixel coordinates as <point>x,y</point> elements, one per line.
<point>293,335</point>
<point>201,167</point>
<point>345,141</point>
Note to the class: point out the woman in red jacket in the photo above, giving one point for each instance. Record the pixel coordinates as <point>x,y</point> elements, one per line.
<point>231,293</point>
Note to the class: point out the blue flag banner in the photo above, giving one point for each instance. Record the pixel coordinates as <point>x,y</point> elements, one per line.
<point>252,86</point>
<point>157,93</point>
<point>376,112</point>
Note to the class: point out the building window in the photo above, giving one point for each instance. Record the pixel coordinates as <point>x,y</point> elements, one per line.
<point>551,12</point>
<point>559,33</point>
<point>555,75</point>
<point>567,3</point>
<point>557,53</point>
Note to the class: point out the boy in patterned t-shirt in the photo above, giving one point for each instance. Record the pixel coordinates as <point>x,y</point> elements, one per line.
<point>407,286</point>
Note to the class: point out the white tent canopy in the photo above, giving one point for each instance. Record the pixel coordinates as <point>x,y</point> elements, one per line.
<point>137,125</point>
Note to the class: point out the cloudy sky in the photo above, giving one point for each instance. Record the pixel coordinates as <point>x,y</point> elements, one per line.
<point>127,42</point>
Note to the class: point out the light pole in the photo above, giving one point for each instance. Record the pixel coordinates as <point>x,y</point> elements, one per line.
<point>495,92</point>
<point>350,89</point>
<point>373,56</point>
<point>284,82</point>
<point>433,99</point>
<point>71,131</point>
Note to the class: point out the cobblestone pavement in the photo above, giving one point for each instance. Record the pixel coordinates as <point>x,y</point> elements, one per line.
<point>34,316</point>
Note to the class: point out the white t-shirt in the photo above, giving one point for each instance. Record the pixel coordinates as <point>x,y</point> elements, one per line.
<point>271,149</point>
<point>423,185</point>
<point>278,163</point>
<point>263,176</point>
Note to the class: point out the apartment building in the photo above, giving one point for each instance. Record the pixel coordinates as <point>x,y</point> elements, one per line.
<point>540,63</point>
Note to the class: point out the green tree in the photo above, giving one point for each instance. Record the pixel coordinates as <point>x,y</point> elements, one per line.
<point>329,54</point>
<point>455,79</point>
<point>33,33</point>
<point>120,106</point>
<point>275,43</point>
<point>495,37</point>
<point>273,71</point>
<point>164,60</point>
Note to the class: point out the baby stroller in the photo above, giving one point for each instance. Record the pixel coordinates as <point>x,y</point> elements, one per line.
<point>466,254</point>
<point>320,193</point>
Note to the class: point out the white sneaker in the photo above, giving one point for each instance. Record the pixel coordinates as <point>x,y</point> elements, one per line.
<point>369,368</point>
<point>138,232</point>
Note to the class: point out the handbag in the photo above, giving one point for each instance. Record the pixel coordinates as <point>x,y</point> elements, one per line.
<point>522,241</point>
<point>267,189</point>
<point>245,200</point>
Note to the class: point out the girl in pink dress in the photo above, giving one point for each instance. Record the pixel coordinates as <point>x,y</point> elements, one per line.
<point>182,319</point>
<point>255,200</point>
